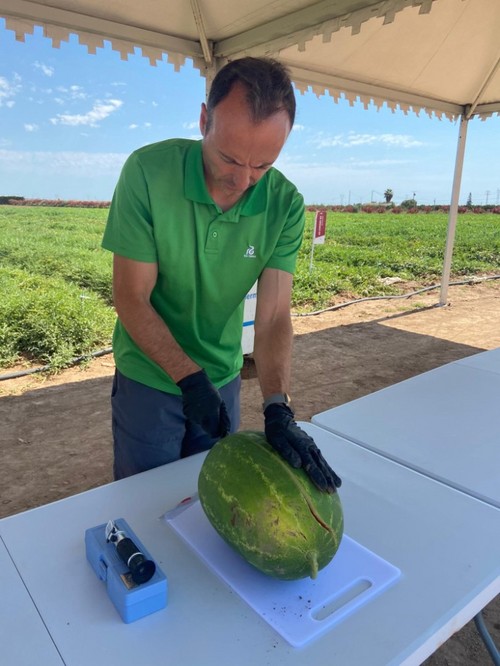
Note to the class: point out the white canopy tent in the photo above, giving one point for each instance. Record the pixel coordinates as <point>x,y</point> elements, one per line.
<point>441,57</point>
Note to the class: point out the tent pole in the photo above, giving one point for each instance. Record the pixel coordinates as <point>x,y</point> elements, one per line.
<point>210,71</point>
<point>452,217</point>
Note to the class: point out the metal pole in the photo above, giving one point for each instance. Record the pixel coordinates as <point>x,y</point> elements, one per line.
<point>209,74</point>
<point>312,254</point>
<point>487,639</point>
<point>452,218</point>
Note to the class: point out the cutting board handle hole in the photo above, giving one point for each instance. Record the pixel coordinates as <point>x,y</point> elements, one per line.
<point>341,599</point>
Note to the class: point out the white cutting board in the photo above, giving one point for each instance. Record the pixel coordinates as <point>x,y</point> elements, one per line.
<point>298,610</point>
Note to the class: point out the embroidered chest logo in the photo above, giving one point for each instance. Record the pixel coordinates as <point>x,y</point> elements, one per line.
<point>250,253</point>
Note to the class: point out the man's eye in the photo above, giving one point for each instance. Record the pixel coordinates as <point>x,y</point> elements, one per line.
<point>229,160</point>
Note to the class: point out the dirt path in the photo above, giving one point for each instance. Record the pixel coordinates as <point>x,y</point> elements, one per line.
<point>55,439</point>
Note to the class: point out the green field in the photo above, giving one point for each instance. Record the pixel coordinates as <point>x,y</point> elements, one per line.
<point>363,248</point>
<point>55,283</point>
<point>55,280</point>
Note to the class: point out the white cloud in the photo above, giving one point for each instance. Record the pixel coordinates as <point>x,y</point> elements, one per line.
<point>64,162</point>
<point>45,69</point>
<point>303,167</point>
<point>298,127</point>
<point>73,92</point>
<point>8,90</point>
<point>77,91</point>
<point>368,164</point>
<point>402,140</point>
<point>340,180</point>
<point>356,139</point>
<point>30,127</point>
<point>193,125</point>
<point>133,126</point>
<point>100,111</point>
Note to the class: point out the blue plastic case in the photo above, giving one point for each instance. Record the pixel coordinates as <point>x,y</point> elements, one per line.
<point>131,601</point>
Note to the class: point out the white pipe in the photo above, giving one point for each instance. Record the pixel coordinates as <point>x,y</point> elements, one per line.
<point>452,218</point>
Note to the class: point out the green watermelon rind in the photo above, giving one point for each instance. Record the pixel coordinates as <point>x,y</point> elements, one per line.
<point>269,512</point>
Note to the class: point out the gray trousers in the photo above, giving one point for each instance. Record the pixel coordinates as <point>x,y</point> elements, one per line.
<point>150,429</point>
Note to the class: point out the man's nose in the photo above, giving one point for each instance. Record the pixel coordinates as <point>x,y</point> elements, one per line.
<point>243,177</point>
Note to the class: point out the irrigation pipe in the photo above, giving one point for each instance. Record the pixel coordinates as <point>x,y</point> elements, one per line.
<point>109,350</point>
<point>43,368</point>
<point>380,298</point>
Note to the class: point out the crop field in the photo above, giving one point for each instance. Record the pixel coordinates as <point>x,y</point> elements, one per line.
<point>55,279</point>
<point>361,249</point>
<point>55,283</point>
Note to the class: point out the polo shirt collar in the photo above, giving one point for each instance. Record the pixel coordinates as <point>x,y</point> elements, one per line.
<point>253,202</point>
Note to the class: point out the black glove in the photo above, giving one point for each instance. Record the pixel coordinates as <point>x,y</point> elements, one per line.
<point>202,403</point>
<point>297,448</point>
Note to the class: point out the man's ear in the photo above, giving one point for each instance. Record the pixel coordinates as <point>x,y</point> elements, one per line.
<point>203,119</point>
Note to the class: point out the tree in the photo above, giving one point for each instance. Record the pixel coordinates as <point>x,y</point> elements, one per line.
<point>469,200</point>
<point>388,194</point>
<point>409,203</point>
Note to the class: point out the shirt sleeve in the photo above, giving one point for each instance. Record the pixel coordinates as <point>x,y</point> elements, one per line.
<point>287,248</point>
<point>129,229</point>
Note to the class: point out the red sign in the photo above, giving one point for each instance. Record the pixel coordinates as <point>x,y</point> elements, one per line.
<point>319,227</point>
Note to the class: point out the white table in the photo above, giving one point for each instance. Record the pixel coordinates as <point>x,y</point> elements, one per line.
<point>488,360</point>
<point>24,640</point>
<point>446,544</point>
<point>444,423</point>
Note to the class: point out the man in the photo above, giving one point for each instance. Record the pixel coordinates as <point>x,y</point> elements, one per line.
<point>192,226</point>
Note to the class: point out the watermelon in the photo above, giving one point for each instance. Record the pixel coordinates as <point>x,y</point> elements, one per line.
<point>269,512</point>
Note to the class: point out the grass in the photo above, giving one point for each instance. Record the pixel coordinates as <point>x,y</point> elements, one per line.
<point>361,249</point>
<point>55,282</point>
<point>55,279</point>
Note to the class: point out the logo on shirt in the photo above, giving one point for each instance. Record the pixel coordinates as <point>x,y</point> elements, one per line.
<point>250,253</point>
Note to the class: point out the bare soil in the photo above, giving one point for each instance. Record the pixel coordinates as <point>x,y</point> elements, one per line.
<point>55,438</point>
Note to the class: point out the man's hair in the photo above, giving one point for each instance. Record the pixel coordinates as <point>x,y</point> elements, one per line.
<point>267,83</point>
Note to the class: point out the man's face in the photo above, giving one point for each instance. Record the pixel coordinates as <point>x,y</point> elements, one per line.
<point>236,151</point>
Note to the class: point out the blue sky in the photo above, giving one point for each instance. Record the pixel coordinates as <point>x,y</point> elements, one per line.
<point>68,120</point>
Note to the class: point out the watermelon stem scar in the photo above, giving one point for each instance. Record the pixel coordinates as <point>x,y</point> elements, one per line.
<point>313,561</point>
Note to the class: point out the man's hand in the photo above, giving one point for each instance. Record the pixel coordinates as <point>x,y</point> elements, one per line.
<point>202,403</point>
<point>297,448</point>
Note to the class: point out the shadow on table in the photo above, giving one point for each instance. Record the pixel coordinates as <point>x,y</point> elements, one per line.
<point>342,363</point>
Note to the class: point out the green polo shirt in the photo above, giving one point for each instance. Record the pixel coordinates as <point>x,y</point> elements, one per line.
<point>207,259</point>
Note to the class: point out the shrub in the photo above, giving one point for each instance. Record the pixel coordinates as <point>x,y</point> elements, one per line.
<point>49,320</point>
<point>6,200</point>
<point>409,203</point>
<point>54,203</point>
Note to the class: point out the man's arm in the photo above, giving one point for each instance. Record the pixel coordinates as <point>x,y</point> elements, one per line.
<point>273,354</point>
<point>273,331</point>
<point>133,282</point>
